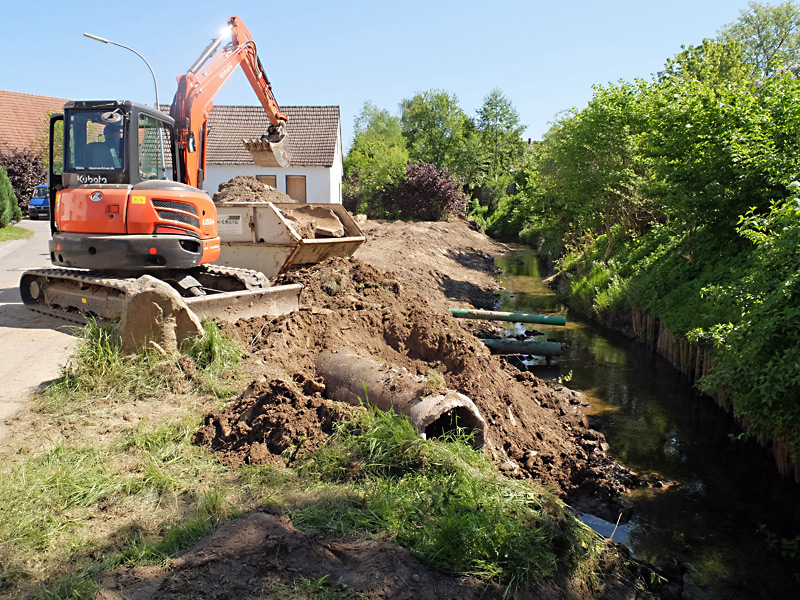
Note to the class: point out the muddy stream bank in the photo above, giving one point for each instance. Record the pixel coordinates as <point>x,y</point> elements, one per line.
<point>713,505</point>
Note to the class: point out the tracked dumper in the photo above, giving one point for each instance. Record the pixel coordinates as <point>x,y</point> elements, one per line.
<point>126,200</point>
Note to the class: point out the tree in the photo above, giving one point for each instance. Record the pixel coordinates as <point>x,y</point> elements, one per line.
<point>769,35</point>
<point>377,156</point>
<point>714,63</point>
<point>501,133</point>
<point>9,210</point>
<point>436,129</point>
<point>25,170</point>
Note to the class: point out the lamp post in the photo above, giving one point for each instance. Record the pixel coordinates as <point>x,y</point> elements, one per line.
<point>105,41</point>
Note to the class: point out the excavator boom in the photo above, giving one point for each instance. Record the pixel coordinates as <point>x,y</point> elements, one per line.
<point>193,103</point>
<point>127,201</point>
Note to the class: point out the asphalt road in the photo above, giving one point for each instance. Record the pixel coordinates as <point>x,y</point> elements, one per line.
<point>33,347</point>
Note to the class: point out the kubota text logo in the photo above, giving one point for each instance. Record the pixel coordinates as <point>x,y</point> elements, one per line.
<point>96,196</point>
<point>90,179</point>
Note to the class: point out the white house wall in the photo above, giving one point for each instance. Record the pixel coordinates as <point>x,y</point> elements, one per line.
<point>323,185</point>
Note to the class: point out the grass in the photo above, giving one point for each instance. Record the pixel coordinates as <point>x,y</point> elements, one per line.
<point>75,508</point>
<point>312,589</point>
<point>13,232</point>
<point>442,500</point>
<point>100,371</point>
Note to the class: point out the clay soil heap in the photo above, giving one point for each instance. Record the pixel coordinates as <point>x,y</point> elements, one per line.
<point>389,302</point>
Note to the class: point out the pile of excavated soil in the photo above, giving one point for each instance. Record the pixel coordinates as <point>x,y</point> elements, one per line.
<point>309,221</point>
<point>389,302</point>
<point>534,430</point>
<point>245,188</point>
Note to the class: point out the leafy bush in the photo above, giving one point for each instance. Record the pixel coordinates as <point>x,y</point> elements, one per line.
<point>425,193</point>
<point>9,209</point>
<point>758,354</point>
<point>25,171</point>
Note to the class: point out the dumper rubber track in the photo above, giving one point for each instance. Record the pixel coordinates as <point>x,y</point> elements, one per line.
<point>82,296</point>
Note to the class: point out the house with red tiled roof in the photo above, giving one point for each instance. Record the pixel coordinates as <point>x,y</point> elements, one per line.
<point>23,120</point>
<point>313,134</point>
<point>314,138</point>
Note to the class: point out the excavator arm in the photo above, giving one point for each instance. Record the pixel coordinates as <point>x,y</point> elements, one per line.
<point>193,103</point>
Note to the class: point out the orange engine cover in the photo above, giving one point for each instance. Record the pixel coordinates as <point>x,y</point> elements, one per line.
<point>122,210</point>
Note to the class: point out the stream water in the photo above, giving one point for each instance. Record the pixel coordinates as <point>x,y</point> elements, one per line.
<point>722,511</point>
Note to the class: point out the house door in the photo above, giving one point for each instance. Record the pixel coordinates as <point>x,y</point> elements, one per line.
<point>296,187</point>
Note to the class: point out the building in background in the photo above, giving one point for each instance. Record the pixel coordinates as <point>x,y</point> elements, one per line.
<point>313,134</point>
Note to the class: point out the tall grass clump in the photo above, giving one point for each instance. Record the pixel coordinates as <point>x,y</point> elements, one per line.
<point>100,370</point>
<point>443,501</point>
<point>215,355</point>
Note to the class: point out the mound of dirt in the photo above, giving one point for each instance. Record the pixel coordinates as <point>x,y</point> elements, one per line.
<point>390,303</point>
<point>534,430</point>
<point>245,188</point>
<point>249,558</point>
<point>269,419</point>
<point>309,221</point>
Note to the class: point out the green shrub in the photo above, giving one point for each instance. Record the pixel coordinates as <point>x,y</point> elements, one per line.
<point>9,209</point>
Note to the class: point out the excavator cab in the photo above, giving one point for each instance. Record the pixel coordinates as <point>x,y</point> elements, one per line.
<point>116,143</point>
<point>118,202</point>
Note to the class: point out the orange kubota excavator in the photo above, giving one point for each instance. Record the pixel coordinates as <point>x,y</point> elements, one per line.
<point>129,201</point>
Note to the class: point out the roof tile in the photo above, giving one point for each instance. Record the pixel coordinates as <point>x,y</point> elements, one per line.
<point>23,117</point>
<point>312,133</point>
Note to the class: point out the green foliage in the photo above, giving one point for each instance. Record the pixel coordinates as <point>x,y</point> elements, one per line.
<point>713,63</point>
<point>378,156</point>
<point>13,232</point>
<point>483,155</point>
<point>9,208</point>
<point>758,353</point>
<point>501,134</point>
<point>99,369</point>
<point>435,128</point>
<point>444,502</point>
<point>769,35</point>
<point>208,514</point>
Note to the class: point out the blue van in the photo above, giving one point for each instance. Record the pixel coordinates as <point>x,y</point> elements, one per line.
<point>39,205</point>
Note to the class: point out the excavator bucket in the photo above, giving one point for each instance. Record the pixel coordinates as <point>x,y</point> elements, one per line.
<point>266,153</point>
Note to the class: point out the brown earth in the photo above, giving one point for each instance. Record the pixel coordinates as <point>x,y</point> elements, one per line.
<point>389,302</point>
<point>244,188</point>
<point>309,221</point>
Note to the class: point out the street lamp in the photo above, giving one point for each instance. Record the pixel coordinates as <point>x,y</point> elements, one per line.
<point>105,41</point>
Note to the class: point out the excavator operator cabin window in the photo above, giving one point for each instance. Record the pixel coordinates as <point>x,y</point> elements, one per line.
<point>155,148</point>
<point>96,140</point>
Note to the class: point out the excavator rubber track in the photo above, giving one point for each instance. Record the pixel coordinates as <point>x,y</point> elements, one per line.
<point>227,293</point>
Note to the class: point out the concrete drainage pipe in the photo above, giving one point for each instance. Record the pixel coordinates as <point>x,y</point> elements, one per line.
<point>347,375</point>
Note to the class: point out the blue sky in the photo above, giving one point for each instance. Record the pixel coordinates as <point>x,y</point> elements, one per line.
<point>544,56</point>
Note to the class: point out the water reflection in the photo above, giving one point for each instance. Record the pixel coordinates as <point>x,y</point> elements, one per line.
<point>710,493</point>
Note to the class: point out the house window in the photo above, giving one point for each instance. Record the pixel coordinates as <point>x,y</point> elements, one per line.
<point>296,187</point>
<point>271,180</point>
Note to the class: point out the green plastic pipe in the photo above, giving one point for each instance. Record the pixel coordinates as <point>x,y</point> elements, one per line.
<point>512,346</point>
<point>493,315</point>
